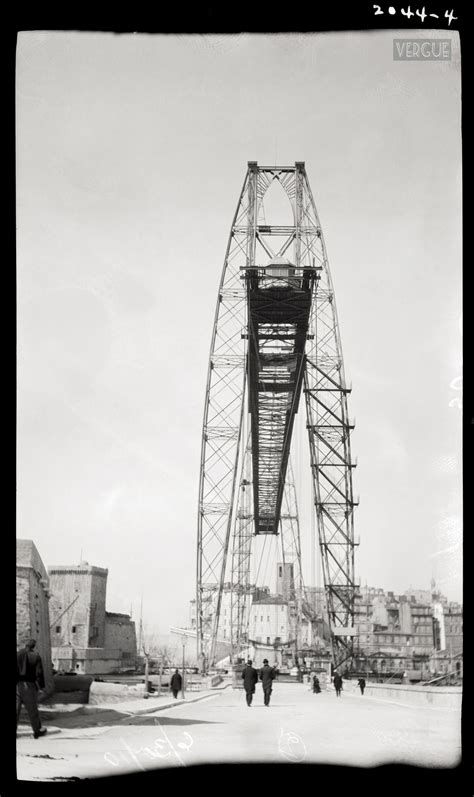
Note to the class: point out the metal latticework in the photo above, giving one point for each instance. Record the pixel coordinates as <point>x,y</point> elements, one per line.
<point>223,413</point>
<point>241,558</point>
<point>329,436</point>
<point>279,302</point>
<point>291,557</point>
<point>275,334</point>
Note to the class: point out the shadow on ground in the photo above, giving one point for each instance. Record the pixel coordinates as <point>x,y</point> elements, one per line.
<point>109,717</point>
<point>147,720</point>
<point>256,705</point>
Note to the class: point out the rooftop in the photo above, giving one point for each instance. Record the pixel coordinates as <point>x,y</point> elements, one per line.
<point>271,599</point>
<point>84,568</point>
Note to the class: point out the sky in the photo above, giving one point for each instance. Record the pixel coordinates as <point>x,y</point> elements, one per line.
<point>131,154</point>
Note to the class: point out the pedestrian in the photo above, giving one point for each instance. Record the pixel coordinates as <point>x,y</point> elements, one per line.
<point>267,675</point>
<point>337,684</point>
<point>316,686</point>
<point>361,684</point>
<point>176,683</point>
<point>250,678</point>
<point>29,680</point>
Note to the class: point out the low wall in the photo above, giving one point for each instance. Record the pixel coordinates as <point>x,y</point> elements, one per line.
<point>436,696</point>
<point>100,692</point>
<point>214,680</point>
<point>63,698</point>
<point>72,683</point>
<point>237,682</point>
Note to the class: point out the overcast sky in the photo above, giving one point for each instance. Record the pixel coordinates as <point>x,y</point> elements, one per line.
<point>131,154</point>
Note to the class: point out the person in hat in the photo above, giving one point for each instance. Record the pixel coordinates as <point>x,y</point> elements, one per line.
<point>267,674</point>
<point>250,678</point>
<point>337,681</point>
<point>29,680</point>
<point>176,683</point>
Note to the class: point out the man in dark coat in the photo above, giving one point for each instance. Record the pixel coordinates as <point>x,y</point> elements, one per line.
<point>176,683</point>
<point>267,675</point>
<point>316,686</point>
<point>250,678</point>
<point>361,683</point>
<point>338,684</point>
<point>29,679</point>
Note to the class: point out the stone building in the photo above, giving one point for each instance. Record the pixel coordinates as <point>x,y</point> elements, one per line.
<point>453,624</point>
<point>120,635</point>
<point>85,637</point>
<point>227,596</point>
<point>285,580</point>
<point>32,605</point>
<point>269,621</point>
<point>77,606</point>
<point>397,634</point>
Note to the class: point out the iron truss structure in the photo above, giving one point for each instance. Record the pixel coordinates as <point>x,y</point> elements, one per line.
<point>275,340</point>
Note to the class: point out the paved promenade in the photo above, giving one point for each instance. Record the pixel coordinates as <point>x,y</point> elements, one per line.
<point>298,727</point>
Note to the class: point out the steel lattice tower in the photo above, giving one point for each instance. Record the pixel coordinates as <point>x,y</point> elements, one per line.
<point>275,338</point>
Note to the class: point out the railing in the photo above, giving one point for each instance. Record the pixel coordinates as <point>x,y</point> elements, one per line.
<point>457,674</point>
<point>395,674</point>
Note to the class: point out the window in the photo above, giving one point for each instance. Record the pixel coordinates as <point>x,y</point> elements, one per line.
<point>268,618</point>
<point>58,629</point>
<point>261,618</point>
<point>280,571</point>
<point>74,629</point>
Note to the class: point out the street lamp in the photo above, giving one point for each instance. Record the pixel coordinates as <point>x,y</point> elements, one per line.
<point>184,646</point>
<point>161,675</point>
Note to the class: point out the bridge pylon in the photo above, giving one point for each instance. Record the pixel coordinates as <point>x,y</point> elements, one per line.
<point>275,345</point>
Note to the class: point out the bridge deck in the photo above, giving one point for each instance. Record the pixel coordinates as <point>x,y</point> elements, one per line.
<point>278,311</point>
<point>352,730</point>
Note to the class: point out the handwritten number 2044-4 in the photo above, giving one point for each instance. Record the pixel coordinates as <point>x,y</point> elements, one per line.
<point>449,15</point>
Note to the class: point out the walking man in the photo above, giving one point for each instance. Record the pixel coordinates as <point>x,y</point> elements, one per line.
<point>361,683</point>
<point>267,675</point>
<point>250,678</point>
<point>176,683</point>
<point>338,684</point>
<point>29,679</point>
